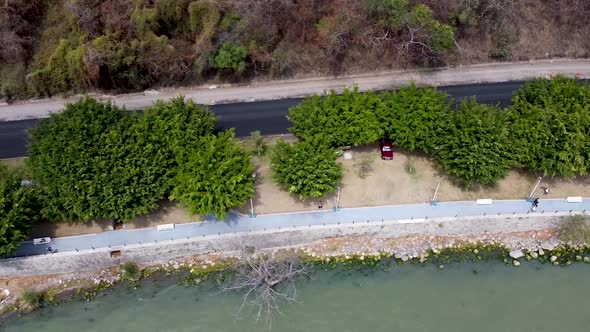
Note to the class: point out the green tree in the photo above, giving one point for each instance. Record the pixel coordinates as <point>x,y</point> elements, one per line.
<point>438,36</point>
<point>176,123</point>
<point>551,125</point>
<point>89,164</point>
<point>476,146</point>
<point>18,210</point>
<point>214,176</point>
<point>387,12</point>
<point>413,117</point>
<point>230,56</point>
<point>64,70</point>
<point>338,120</point>
<point>306,169</point>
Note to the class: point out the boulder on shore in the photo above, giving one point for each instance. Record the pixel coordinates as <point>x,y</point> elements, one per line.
<point>516,254</point>
<point>549,245</point>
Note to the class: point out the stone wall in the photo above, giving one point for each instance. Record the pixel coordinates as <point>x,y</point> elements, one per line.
<point>162,252</point>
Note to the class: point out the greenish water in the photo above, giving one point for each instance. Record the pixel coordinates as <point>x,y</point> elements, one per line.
<point>461,298</point>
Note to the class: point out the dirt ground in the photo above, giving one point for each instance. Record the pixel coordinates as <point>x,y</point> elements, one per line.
<point>13,162</point>
<point>167,213</point>
<point>392,183</point>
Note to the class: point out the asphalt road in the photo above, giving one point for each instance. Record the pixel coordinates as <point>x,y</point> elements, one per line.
<point>267,116</point>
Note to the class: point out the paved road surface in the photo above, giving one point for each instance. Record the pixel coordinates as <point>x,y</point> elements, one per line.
<point>266,116</point>
<point>241,223</point>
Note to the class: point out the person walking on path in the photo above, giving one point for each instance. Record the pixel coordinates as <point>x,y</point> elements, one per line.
<point>320,205</point>
<point>545,190</point>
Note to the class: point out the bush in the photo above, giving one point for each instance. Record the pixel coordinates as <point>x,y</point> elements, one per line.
<point>550,123</point>
<point>230,56</point>
<point>259,144</point>
<point>130,271</point>
<point>306,169</point>
<point>33,298</point>
<point>214,176</point>
<point>476,146</point>
<point>338,120</point>
<point>18,209</point>
<point>575,229</point>
<point>64,70</point>
<point>387,12</point>
<point>364,166</point>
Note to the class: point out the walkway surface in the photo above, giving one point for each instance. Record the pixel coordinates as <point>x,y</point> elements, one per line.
<point>272,90</point>
<point>235,223</point>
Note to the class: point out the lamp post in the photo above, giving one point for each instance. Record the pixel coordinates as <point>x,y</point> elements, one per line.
<point>252,214</point>
<point>530,198</point>
<point>434,202</point>
<point>338,198</point>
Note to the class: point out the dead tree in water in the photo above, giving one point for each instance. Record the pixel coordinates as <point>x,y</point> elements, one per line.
<point>267,280</point>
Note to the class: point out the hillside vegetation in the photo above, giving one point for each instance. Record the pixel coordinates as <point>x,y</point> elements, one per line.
<point>56,46</point>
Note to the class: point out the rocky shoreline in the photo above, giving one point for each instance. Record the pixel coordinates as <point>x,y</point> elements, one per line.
<point>512,240</point>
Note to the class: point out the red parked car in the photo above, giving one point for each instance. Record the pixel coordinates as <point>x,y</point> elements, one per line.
<point>386,148</point>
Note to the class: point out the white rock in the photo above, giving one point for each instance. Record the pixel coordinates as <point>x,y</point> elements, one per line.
<point>553,259</point>
<point>548,245</point>
<point>151,93</point>
<point>534,255</point>
<point>405,258</point>
<point>212,87</point>
<point>516,254</point>
<point>5,292</point>
<point>541,252</point>
<point>515,263</point>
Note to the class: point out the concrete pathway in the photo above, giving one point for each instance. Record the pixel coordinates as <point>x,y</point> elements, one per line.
<point>272,90</point>
<point>235,222</point>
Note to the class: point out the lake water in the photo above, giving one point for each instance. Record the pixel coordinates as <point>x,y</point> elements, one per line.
<point>461,298</point>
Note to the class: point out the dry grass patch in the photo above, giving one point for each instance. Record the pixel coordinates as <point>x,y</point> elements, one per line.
<point>13,162</point>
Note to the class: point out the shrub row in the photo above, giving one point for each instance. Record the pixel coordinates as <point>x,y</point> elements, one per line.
<point>546,129</point>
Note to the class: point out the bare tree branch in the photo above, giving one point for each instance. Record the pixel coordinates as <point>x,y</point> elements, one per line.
<point>266,281</point>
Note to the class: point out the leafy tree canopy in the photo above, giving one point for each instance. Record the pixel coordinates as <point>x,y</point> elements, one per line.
<point>18,210</point>
<point>176,123</point>
<point>413,116</point>
<point>387,12</point>
<point>338,120</point>
<point>551,124</point>
<point>215,176</point>
<point>306,169</point>
<point>90,162</point>
<point>476,146</point>
<point>441,36</point>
